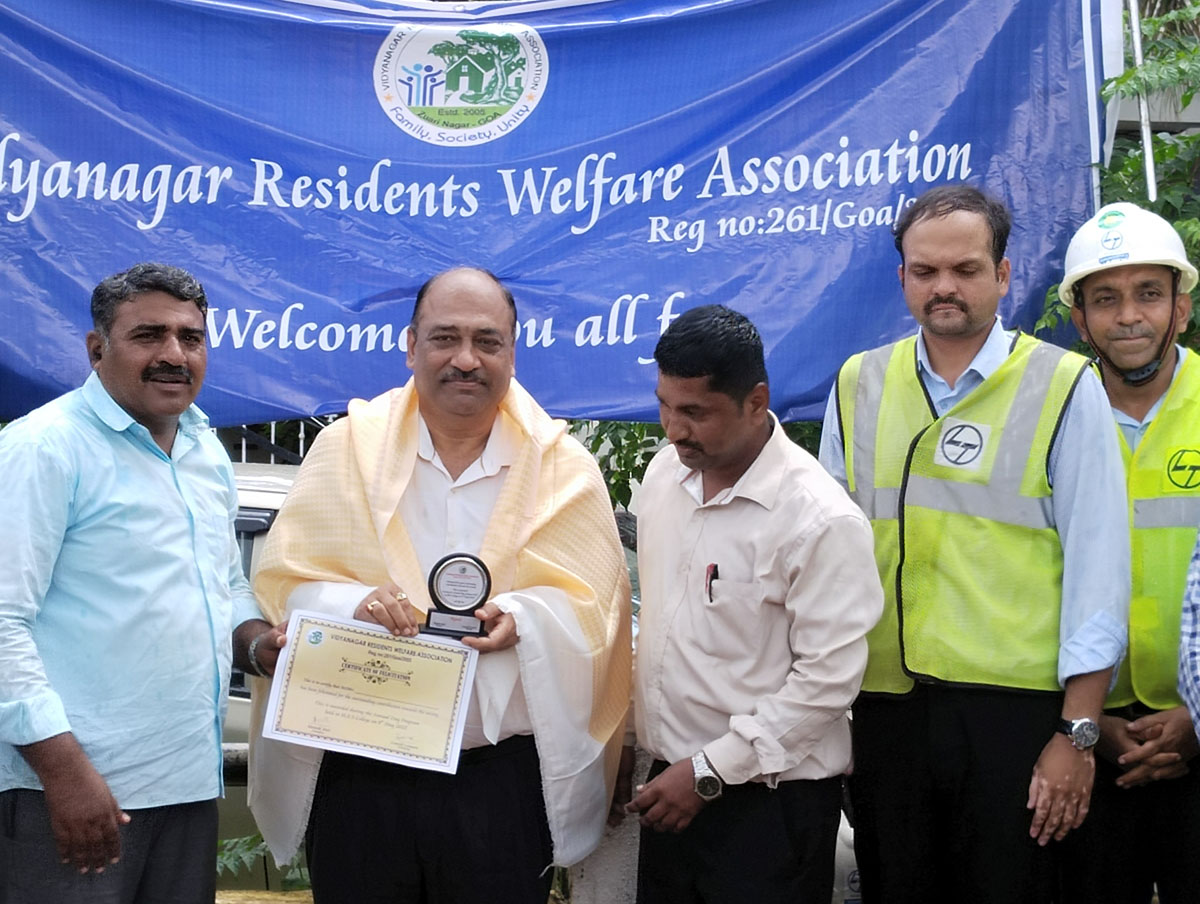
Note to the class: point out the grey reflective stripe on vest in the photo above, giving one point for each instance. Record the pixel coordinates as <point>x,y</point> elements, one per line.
<point>1020,430</point>
<point>1178,511</point>
<point>980,501</point>
<point>878,502</point>
<point>1000,500</point>
<point>867,397</point>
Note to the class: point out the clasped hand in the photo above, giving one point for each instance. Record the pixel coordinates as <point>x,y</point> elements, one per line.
<point>1155,747</point>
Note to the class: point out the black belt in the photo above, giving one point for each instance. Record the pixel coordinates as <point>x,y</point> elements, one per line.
<point>508,747</point>
<point>1131,711</point>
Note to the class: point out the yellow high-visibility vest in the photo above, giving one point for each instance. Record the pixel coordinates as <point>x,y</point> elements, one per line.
<point>965,540</point>
<point>1164,512</point>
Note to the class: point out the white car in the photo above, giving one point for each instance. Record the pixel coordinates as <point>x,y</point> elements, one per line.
<point>261,490</point>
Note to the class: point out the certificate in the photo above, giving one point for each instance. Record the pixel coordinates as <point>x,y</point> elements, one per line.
<point>350,686</point>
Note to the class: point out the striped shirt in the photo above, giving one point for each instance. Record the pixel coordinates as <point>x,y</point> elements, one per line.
<point>1189,642</point>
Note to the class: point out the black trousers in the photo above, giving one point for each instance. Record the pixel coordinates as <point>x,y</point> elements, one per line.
<point>168,856</point>
<point>940,783</point>
<point>752,845</point>
<point>389,834</point>
<point>1134,839</point>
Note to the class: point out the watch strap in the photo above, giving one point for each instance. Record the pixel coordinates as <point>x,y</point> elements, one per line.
<point>703,775</point>
<point>1075,728</point>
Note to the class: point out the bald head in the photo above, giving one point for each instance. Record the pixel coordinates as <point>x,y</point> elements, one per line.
<point>474,279</point>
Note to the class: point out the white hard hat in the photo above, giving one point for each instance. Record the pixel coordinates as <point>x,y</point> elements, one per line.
<point>1120,235</point>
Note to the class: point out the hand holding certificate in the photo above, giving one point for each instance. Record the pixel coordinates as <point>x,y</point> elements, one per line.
<point>351,686</point>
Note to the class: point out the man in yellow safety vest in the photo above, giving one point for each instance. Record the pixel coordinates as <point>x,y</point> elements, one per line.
<point>1127,279</point>
<point>985,460</point>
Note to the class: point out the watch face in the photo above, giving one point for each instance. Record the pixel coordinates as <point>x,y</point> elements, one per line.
<point>1085,733</point>
<point>708,786</point>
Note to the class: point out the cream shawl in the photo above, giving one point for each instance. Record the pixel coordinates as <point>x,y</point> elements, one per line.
<point>552,526</point>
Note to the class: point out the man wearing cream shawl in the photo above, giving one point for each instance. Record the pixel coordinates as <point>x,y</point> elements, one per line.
<point>461,459</point>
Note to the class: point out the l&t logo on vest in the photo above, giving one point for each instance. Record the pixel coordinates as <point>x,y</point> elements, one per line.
<point>962,444</point>
<point>1183,469</point>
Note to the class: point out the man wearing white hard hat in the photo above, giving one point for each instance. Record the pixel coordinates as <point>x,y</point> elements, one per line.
<point>1127,280</point>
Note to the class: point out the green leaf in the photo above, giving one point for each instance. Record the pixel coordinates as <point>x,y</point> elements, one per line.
<point>237,854</point>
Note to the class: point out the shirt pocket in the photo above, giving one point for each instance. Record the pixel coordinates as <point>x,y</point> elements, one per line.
<point>213,538</point>
<point>730,624</point>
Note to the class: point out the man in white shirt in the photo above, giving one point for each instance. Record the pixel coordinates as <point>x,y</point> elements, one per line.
<point>757,594</point>
<point>460,460</point>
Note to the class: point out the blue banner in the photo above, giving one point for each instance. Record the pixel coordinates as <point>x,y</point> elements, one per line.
<point>615,162</point>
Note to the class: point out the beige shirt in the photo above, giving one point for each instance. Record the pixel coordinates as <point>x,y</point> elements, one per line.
<point>759,666</point>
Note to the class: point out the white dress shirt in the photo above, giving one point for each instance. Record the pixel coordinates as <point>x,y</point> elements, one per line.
<point>444,516</point>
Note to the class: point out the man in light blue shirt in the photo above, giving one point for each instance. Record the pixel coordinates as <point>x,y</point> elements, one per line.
<point>122,584</point>
<point>1008,567</point>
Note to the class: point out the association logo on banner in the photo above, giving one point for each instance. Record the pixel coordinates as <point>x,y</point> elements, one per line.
<point>458,87</point>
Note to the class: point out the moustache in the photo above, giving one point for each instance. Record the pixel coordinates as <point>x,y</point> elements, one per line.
<point>945,299</point>
<point>166,370</point>
<point>694,447</point>
<point>454,375</point>
<point>1133,334</point>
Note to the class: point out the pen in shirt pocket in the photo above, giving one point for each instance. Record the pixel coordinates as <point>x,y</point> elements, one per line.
<point>711,574</point>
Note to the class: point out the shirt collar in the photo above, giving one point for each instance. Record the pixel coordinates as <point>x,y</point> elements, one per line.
<point>504,442</point>
<point>1128,420</point>
<point>192,422</point>
<point>987,360</point>
<point>759,483</point>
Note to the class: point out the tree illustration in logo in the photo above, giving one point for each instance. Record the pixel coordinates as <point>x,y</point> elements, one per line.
<point>487,63</point>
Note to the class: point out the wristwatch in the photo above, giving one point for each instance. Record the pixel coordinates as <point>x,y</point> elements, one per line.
<point>705,782</point>
<point>1084,733</point>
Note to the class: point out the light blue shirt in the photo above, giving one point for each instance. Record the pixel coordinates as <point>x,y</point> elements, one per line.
<point>120,588</point>
<point>1088,502</point>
